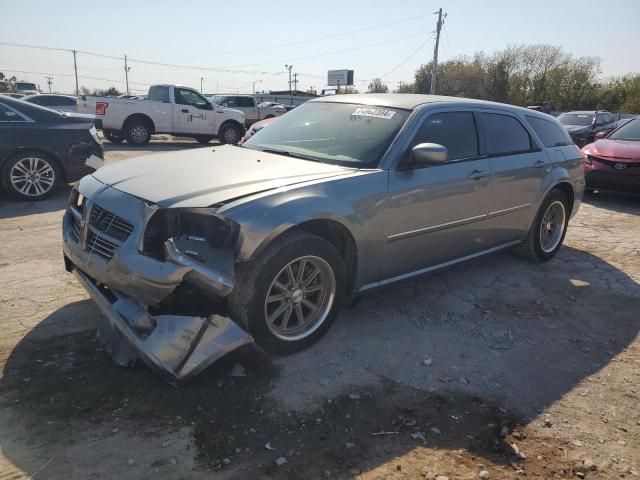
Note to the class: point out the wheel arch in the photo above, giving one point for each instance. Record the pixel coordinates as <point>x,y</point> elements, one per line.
<point>231,121</point>
<point>333,232</point>
<point>567,189</point>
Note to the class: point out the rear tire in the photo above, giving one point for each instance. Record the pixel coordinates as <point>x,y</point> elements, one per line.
<point>114,136</point>
<point>30,175</point>
<point>137,132</point>
<point>230,134</point>
<point>548,229</point>
<point>308,303</point>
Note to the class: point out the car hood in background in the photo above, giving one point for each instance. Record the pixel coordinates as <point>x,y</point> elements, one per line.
<point>614,149</point>
<point>205,176</point>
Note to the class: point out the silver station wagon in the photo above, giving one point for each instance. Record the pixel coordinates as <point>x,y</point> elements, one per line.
<point>194,253</point>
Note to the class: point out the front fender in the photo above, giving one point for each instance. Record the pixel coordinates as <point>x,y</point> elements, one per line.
<point>356,202</point>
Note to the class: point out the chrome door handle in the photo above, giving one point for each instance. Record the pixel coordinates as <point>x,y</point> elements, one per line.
<point>478,174</point>
<point>539,163</point>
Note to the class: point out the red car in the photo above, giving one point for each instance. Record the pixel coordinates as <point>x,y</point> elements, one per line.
<point>613,161</point>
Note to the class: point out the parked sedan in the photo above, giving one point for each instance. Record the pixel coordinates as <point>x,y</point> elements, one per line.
<point>583,126</point>
<point>613,161</point>
<point>61,103</point>
<point>256,127</point>
<point>42,148</point>
<point>192,254</point>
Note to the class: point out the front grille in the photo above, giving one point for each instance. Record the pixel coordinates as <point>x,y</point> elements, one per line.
<point>100,245</point>
<point>110,224</point>
<point>75,228</point>
<point>612,163</point>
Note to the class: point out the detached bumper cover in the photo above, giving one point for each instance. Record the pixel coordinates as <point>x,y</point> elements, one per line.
<point>124,282</point>
<point>177,347</point>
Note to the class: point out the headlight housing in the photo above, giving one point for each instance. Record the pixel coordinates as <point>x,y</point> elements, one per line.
<point>196,231</point>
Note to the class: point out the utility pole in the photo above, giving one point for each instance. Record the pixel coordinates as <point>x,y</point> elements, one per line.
<point>201,80</point>
<point>254,85</point>
<point>434,64</point>
<point>295,81</point>
<point>49,82</point>
<point>289,67</point>
<point>126,73</point>
<point>75,68</point>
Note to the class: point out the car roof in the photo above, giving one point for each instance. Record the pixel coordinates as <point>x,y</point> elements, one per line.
<point>36,112</point>
<point>40,95</point>
<point>410,101</point>
<point>587,112</point>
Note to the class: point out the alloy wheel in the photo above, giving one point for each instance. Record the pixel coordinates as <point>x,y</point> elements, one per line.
<point>300,298</point>
<point>32,176</point>
<point>552,228</point>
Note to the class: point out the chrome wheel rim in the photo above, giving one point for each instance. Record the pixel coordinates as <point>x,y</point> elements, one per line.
<point>552,228</point>
<point>230,135</point>
<point>300,298</point>
<point>32,176</point>
<point>139,133</point>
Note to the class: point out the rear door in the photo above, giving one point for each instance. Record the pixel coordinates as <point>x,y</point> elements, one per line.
<point>437,213</point>
<point>518,166</point>
<point>194,113</point>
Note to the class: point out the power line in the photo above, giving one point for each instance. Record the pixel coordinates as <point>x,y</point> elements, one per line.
<point>73,75</point>
<point>311,40</point>
<point>409,57</point>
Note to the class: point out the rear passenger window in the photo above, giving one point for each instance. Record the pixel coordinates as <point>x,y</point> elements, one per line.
<point>550,133</point>
<point>244,102</point>
<point>504,135</point>
<point>454,130</point>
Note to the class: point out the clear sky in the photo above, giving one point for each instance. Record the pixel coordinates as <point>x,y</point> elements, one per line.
<point>253,40</point>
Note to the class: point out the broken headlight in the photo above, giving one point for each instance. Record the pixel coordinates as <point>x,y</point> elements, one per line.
<point>195,231</point>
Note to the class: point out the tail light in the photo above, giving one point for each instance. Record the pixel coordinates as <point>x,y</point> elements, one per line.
<point>101,108</point>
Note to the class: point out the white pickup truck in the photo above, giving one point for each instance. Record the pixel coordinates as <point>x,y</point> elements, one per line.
<point>171,109</point>
<point>253,111</point>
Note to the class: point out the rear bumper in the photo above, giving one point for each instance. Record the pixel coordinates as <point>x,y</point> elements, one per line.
<point>177,347</point>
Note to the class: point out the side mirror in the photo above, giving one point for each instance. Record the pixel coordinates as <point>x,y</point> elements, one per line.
<point>600,135</point>
<point>429,153</point>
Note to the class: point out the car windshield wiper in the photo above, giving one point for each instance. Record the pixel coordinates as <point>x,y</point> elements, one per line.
<point>289,154</point>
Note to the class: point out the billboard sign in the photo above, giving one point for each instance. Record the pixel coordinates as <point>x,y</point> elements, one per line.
<point>340,77</point>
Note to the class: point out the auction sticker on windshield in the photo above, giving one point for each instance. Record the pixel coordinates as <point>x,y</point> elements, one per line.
<point>374,113</point>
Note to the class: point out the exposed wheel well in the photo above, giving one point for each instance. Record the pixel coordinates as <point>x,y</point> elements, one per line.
<point>336,234</point>
<point>567,189</point>
<point>139,117</point>
<point>233,122</point>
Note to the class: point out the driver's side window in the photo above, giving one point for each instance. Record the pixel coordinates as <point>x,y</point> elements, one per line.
<point>189,97</point>
<point>454,130</point>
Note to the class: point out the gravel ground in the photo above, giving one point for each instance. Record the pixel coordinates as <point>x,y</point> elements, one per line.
<point>493,369</point>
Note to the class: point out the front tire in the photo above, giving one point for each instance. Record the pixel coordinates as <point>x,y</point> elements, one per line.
<point>230,134</point>
<point>548,230</point>
<point>30,175</point>
<point>289,296</point>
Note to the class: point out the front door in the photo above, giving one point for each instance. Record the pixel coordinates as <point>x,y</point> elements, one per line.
<point>195,113</point>
<point>437,213</point>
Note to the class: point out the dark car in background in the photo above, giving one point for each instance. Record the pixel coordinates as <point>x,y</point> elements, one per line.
<point>41,148</point>
<point>583,125</point>
<point>613,162</point>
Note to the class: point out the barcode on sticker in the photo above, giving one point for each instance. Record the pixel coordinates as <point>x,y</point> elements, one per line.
<point>374,113</point>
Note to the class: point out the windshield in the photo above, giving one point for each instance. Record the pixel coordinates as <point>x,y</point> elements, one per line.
<point>26,86</point>
<point>338,133</point>
<point>583,119</point>
<point>629,131</point>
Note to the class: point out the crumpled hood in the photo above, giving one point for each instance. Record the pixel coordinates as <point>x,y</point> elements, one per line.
<point>614,149</point>
<point>205,176</point>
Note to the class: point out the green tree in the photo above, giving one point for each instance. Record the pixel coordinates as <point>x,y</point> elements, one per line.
<point>376,86</point>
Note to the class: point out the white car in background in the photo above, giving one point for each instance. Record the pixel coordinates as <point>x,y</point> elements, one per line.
<point>253,112</point>
<point>60,103</point>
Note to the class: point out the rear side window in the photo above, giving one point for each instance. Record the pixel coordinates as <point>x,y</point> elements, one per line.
<point>454,130</point>
<point>8,115</point>
<point>159,94</point>
<point>244,102</point>
<point>504,135</point>
<point>550,133</point>
<point>37,100</point>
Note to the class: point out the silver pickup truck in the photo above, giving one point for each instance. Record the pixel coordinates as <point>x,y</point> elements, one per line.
<point>247,104</point>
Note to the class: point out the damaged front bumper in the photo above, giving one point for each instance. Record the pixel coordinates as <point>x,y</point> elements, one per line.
<point>102,242</point>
